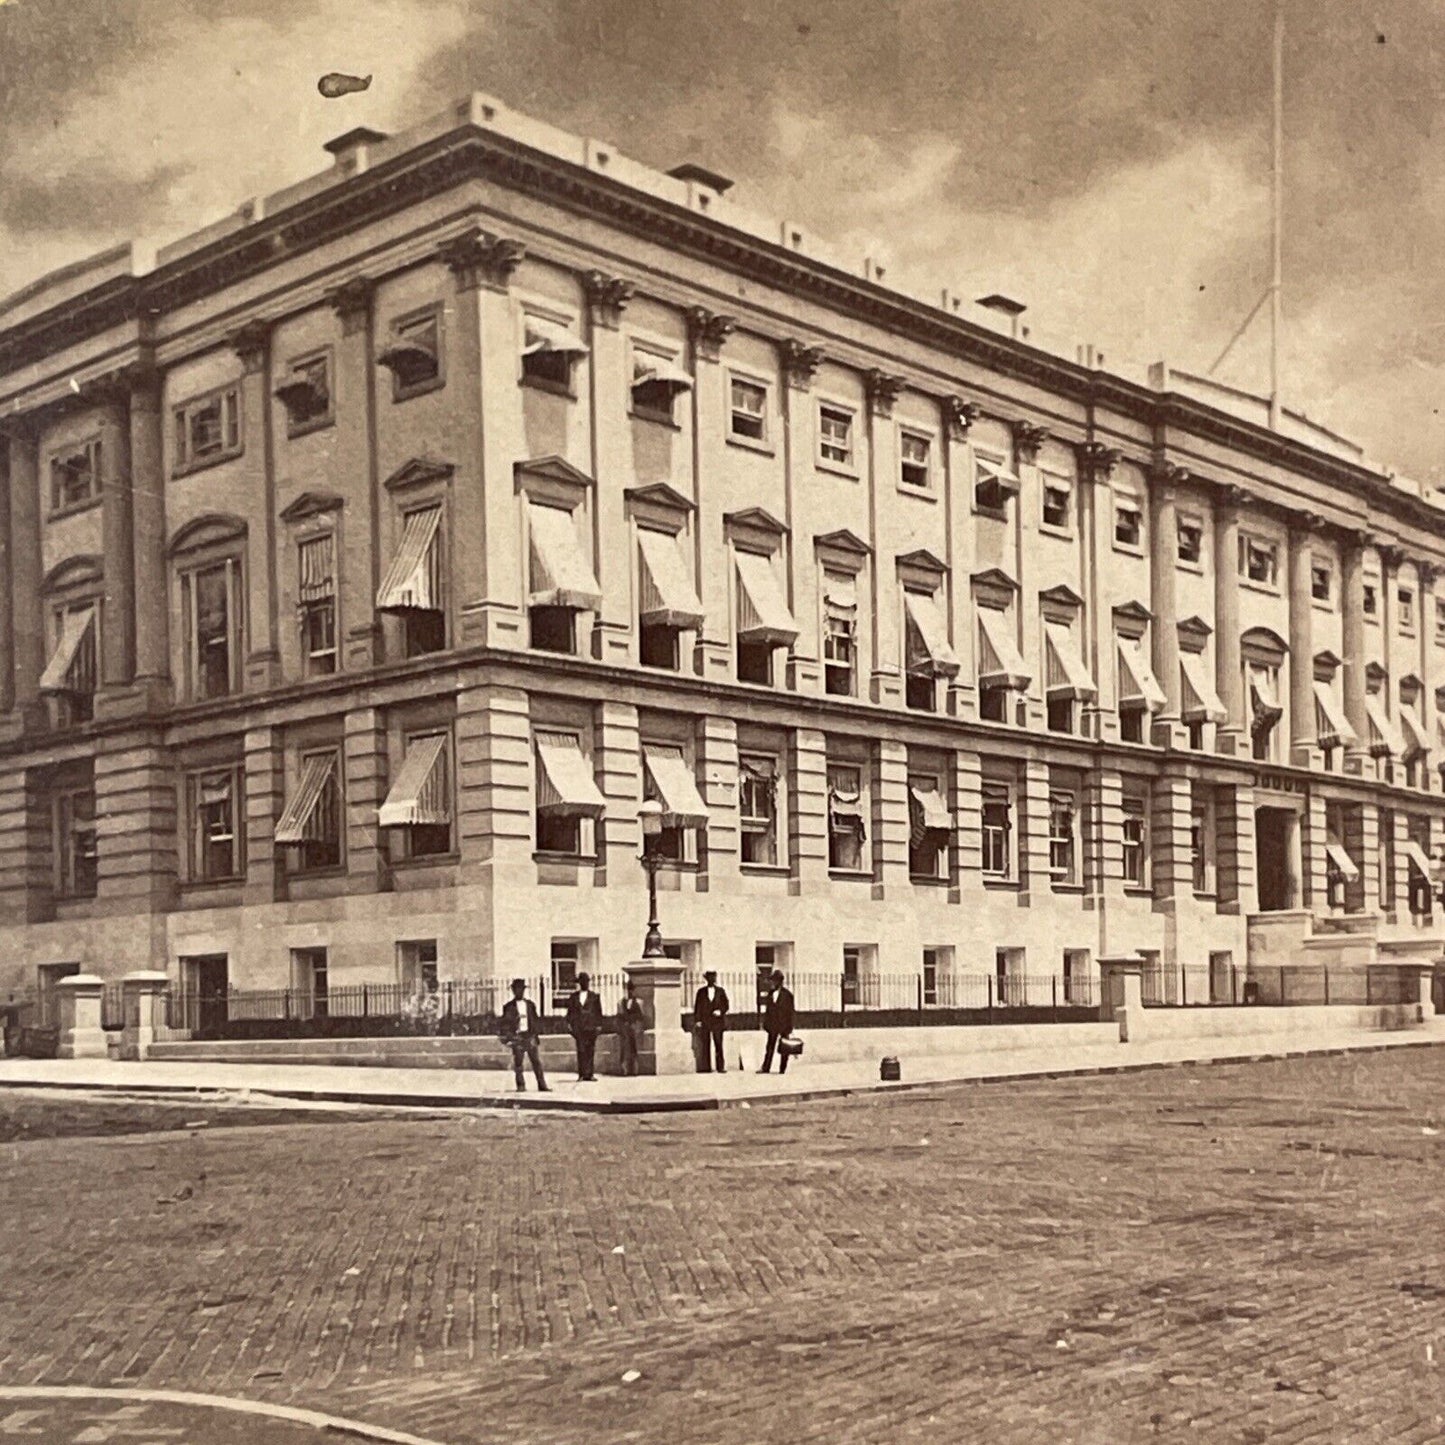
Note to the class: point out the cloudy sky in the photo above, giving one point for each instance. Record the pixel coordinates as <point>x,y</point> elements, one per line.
<point>1106,161</point>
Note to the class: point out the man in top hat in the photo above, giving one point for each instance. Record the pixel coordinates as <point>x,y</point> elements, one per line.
<point>778,1021</point>
<point>584,1023</point>
<point>519,1031</point>
<point>709,1021</point>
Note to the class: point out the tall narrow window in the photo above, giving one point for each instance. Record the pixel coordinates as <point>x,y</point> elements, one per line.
<point>208,429</point>
<point>1135,840</point>
<point>997,818</point>
<point>1062,838</point>
<point>75,476</point>
<point>840,627</point>
<point>835,435</point>
<point>212,807</point>
<point>317,604</point>
<point>211,597</point>
<point>758,809</point>
<point>419,804</point>
<point>76,855</point>
<point>748,412</point>
<point>414,586</point>
<point>846,828</point>
<point>311,822</point>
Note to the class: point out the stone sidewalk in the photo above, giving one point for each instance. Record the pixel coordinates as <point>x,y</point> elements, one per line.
<point>469,1089</point>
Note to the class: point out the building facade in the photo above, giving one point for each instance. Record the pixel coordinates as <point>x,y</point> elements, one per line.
<point>373,554</point>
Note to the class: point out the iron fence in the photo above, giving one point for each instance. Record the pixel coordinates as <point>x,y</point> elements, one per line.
<point>112,1006</point>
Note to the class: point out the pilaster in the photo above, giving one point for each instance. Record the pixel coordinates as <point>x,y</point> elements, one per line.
<point>365,762</point>
<point>1171,814</point>
<point>1304,745</point>
<point>808,822</point>
<point>1362,842</point>
<point>1234,832</point>
<point>1028,509</point>
<point>886,685</point>
<point>494,787</point>
<point>618,756</point>
<point>968,822</point>
<point>265,771</point>
<point>890,821</point>
<point>1314,862</point>
<point>1095,465</point>
<point>117,522</point>
<point>1033,834</point>
<point>708,332</point>
<point>7,590</point>
<point>1352,607</point>
<point>1399,838</point>
<point>1428,574</point>
<point>28,623</point>
<point>717,743</point>
<point>24,880</point>
<point>135,809</point>
<point>958,474</point>
<point>1232,737</point>
<point>252,344</point>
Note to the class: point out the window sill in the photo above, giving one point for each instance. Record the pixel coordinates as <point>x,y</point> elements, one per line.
<point>1263,588</point>
<point>426,860</point>
<point>761,445</point>
<point>850,875</point>
<point>186,469</point>
<point>996,514</point>
<point>1138,890</point>
<point>1057,886</point>
<point>837,469</point>
<point>74,509</point>
<point>1206,895</point>
<point>203,885</point>
<point>552,388</point>
<point>1129,549</point>
<point>575,860</point>
<point>311,875</point>
<point>1065,534</point>
<point>1328,608</point>
<point>1000,884</point>
<point>656,418</point>
<point>421,388</point>
<point>928,880</point>
<point>305,428</point>
<point>765,870</point>
<point>919,494</point>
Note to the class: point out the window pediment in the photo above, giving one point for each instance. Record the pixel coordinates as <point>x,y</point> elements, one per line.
<point>1194,633</point>
<point>84,570</point>
<point>1375,675</point>
<point>842,542</point>
<point>1265,643</point>
<point>552,479</point>
<point>659,505</point>
<point>1132,619</point>
<point>417,472</point>
<point>922,560</point>
<point>1061,600</point>
<point>311,504</point>
<point>212,529</point>
<point>1326,664</point>
<point>754,530</point>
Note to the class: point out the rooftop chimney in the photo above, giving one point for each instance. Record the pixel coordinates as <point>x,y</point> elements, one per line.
<point>1005,306</point>
<point>701,176</point>
<point>351,150</point>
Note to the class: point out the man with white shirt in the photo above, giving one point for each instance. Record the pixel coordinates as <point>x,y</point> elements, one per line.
<point>709,1021</point>
<point>584,1023</point>
<point>777,1011</point>
<point>519,1031</point>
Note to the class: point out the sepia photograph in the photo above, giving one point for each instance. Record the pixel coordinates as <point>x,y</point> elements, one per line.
<point>722,723</point>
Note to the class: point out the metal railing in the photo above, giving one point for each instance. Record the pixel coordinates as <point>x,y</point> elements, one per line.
<point>112,1006</point>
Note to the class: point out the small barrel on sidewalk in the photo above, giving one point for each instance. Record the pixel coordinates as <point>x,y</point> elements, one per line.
<point>889,1071</point>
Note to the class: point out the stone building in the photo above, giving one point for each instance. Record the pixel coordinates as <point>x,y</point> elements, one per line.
<point>371,554</point>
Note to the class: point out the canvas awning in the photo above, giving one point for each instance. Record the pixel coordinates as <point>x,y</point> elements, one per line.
<point>1200,701</point>
<point>565,785</point>
<point>1419,860</point>
<point>1264,704</point>
<point>1138,687</point>
<point>561,576</point>
<point>551,336</point>
<point>840,591</point>
<point>845,812</point>
<point>1385,738</point>
<point>409,359</point>
<point>671,776</point>
<point>1332,727</point>
<point>999,663</point>
<point>64,672</point>
<point>298,822</point>
<point>318,568</point>
<point>928,812</point>
<point>763,614</point>
<point>419,794</point>
<point>655,371</point>
<point>929,654</point>
<point>668,596</point>
<point>1066,671</point>
<point>410,583</point>
<point>1005,480</point>
<point>1417,740</point>
<point>1341,862</point>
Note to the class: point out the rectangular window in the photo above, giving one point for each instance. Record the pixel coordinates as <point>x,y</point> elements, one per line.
<point>1058,503</point>
<point>1259,561</point>
<point>1128,523</point>
<point>1201,846</point>
<point>73,672</point>
<point>838,652</point>
<point>213,812</point>
<point>75,476</point>
<point>748,413</point>
<point>211,598</point>
<point>1440,621</point>
<point>992,487</point>
<point>1405,599</point>
<point>852,975</point>
<point>758,778</point>
<point>1370,600</point>
<point>916,460</point>
<point>1063,849</point>
<point>930,829</point>
<point>76,855</point>
<point>316,562</point>
<point>306,394</point>
<point>413,354</point>
<point>1190,540</point>
<point>1135,834</point>
<point>320,845</point>
<point>1078,979</point>
<point>208,429</point>
<point>310,978</point>
<point>566,964</point>
<point>997,815</point>
<point>567,800</point>
<point>431,832</point>
<point>846,828</point>
<point>931,971</point>
<point>1321,581</point>
<point>419,966</point>
<point>835,435</point>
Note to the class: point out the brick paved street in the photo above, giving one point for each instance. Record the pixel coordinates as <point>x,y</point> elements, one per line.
<point>1239,1253</point>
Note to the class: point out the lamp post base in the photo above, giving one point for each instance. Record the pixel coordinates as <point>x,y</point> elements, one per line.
<point>666,1048</point>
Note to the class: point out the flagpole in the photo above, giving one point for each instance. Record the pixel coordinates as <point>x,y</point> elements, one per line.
<point>1278,237</point>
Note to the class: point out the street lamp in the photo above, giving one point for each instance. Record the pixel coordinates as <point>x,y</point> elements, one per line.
<point>649,814</point>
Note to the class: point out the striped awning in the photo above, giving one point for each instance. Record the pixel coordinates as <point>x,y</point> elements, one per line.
<point>1419,860</point>
<point>1417,740</point>
<point>318,568</point>
<point>551,336</point>
<point>845,812</point>
<point>840,591</point>
<point>763,614</point>
<point>72,665</point>
<point>1200,701</point>
<point>1340,861</point>
<point>561,575</point>
<point>419,794</point>
<point>1386,739</point>
<point>655,371</point>
<point>668,596</point>
<point>1138,687</point>
<point>1066,671</point>
<point>565,785</point>
<point>995,472</point>
<point>676,788</point>
<point>1264,704</point>
<point>999,662</point>
<point>929,653</point>
<point>299,823</point>
<point>927,813</point>
<point>1332,727</point>
<point>413,581</point>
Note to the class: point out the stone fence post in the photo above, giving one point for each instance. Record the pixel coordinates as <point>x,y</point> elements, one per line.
<point>144,993</point>
<point>1121,990</point>
<point>81,1036</point>
<point>666,1049</point>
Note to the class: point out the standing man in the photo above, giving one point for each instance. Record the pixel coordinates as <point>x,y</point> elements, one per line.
<point>778,1021</point>
<point>631,1023</point>
<point>709,1019</point>
<point>519,1032</point>
<point>584,1023</point>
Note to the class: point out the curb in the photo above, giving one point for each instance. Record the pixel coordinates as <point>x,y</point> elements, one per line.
<point>330,1424</point>
<point>709,1104</point>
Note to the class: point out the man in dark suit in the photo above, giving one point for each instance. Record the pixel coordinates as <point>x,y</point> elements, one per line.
<point>631,1026</point>
<point>778,1021</point>
<point>584,1023</point>
<point>709,1021</point>
<point>520,1031</point>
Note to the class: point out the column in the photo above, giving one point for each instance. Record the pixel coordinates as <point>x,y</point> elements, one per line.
<point>1390,559</point>
<point>28,629</point>
<point>148,535</point>
<point>7,595</point>
<point>958,416</point>
<point>365,761</point>
<point>1428,573</point>
<point>1304,747</point>
<point>888,664</point>
<point>1234,834</point>
<point>890,820</point>
<point>1352,605</point>
<point>360,535</point>
<point>117,523</point>
<point>1232,736</point>
<point>1028,509</point>
<point>615,635</point>
<point>717,745</point>
<point>808,818</point>
<point>81,1036</point>
<point>618,757</point>
<point>1033,833</point>
<point>1096,464</point>
<point>252,343</point>
<point>485,521</point>
<point>1163,595</point>
<point>265,771</point>
<point>708,331</point>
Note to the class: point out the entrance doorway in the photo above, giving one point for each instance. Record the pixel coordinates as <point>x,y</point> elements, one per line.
<point>206,981</point>
<point>1276,834</point>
